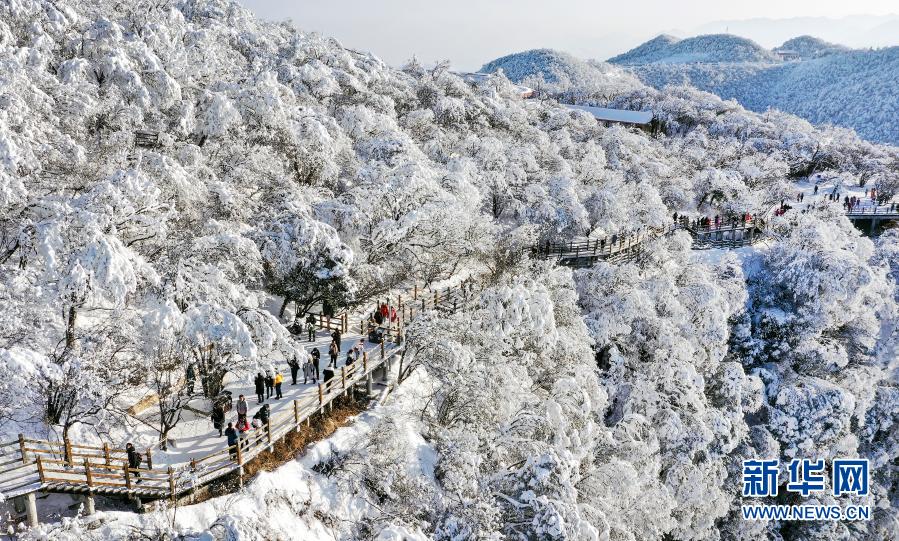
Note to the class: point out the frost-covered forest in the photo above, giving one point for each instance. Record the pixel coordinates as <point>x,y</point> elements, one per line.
<point>830,85</point>
<point>615,402</point>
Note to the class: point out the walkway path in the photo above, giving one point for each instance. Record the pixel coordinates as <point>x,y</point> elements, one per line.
<point>616,249</point>
<point>201,456</point>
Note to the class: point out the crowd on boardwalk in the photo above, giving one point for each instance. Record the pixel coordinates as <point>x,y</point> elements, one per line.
<point>851,203</point>
<point>238,423</point>
<point>714,222</point>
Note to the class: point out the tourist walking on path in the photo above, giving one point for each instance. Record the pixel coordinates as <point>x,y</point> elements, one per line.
<point>231,434</point>
<point>316,359</point>
<point>332,351</point>
<point>243,429</point>
<point>242,408</point>
<point>294,365</point>
<point>336,337</point>
<point>310,327</point>
<point>309,372</point>
<point>269,384</point>
<point>260,387</point>
<point>218,417</point>
<point>134,458</point>
<point>279,379</point>
<point>263,414</point>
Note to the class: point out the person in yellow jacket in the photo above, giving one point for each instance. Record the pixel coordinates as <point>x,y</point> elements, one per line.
<point>279,379</point>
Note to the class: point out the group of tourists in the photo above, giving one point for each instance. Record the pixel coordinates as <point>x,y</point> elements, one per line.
<point>383,316</point>
<point>240,433</point>
<point>715,222</point>
<point>851,203</point>
<point>268,385</point>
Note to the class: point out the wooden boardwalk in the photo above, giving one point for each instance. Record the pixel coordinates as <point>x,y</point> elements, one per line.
<point>28,466</point>
<point>623,248</point>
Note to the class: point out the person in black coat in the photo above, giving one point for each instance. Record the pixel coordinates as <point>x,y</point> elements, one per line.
<point>269,384</point>
<point>316,360</point>
<point>134,459</point>
<point>262,414</point>
<point>294,365</point>
<point>336,337</point>
<point>260,387</point>
<point>218,417</point>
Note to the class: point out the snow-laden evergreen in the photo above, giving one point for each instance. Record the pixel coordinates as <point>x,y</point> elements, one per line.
<point>614,402</point>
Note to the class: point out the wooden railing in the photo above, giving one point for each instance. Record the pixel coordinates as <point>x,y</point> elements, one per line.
<point>28,465</point>
<point>625,247</point>
<point>886,211</point>
<point>146,139</point>
<point>336,322</point>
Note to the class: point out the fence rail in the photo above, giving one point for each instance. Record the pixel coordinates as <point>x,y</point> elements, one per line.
<point>884,211</point>
<point>29,465</point>
<point>623,248</point>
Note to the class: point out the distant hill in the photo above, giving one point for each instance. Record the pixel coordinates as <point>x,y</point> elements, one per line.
<point>831,84</point>
<point>856,31</point>
<point>564,73</point>
<point>811,47</point>
<point>666,49</point>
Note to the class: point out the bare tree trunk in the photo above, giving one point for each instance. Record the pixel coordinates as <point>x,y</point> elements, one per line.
<point>70,327</point>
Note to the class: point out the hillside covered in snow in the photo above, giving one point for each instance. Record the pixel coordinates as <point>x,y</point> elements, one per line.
<point>180,181</point>
<point>666,49</point>
<point>830,84</point>
<point>807,47</point>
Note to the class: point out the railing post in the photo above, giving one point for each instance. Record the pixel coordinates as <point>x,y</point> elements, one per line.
<point>149,459</point>
<point>87,472</point>
<point>106,453</point>
<point>68,451</point>
<point>22,449</point>
<point>365,361</point>
<point>268,432</point>
<point>171,471</point>
<point>321,395</point>
<point>382,348</point>
<point>127,475</point>
<point>40,468</point>
<point>296,413</point>
<point>343,377</point>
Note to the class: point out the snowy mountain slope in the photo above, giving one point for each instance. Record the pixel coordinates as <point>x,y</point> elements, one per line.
<point>810,47</point>
<point>613,403</point>
<point>560,72</point>
<point>700,49</point>
<point>855,89</point>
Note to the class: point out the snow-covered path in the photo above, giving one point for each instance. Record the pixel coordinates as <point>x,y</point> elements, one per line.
<point>195,436</point>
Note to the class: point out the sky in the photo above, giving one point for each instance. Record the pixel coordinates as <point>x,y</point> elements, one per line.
<point>470,33</point>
